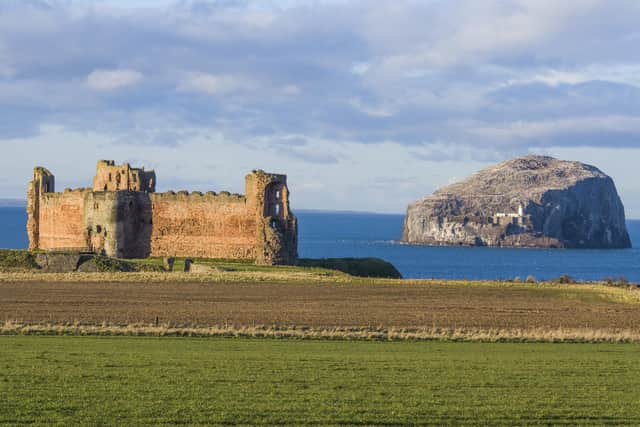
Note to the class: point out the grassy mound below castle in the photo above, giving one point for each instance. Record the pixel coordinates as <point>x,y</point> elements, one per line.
<point>359,267</point>
<point>17,260</point>
<point>64,262</point>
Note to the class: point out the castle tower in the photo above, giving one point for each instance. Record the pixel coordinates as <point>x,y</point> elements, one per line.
<point>117,213</point>
<point>277,228</point>
<point>112,177</point>
<point>43,182</point>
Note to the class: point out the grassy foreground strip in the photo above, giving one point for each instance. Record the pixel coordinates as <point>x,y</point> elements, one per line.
<point>270,274</point>
<point>539,335</point>
<point>134,381</point>
<point>289,274</point>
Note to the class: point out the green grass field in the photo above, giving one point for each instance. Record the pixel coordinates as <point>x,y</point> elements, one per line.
<point>134,380</point>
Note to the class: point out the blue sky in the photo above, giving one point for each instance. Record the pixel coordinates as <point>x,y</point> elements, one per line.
<point>366,105</point>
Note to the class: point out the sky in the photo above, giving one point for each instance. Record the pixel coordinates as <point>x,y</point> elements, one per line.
<point>365,105</point>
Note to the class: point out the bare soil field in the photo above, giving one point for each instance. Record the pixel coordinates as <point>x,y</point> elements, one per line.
<point>375,304</point>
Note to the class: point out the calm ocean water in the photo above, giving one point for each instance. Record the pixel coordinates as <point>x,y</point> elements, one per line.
<point>359,235</point>
<point>327,234</point>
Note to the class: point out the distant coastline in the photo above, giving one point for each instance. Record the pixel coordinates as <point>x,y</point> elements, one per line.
<point>13,203</point>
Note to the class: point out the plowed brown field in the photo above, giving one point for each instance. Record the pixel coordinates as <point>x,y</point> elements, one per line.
<point>317,305</point>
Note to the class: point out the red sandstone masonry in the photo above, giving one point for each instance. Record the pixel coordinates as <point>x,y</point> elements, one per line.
<point>61,220</point>
<point>198,225</point>
<point>112,177</point>
<point>123,217</point>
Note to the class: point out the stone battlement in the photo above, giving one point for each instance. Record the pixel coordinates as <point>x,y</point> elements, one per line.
<point>222,197</point>
<point>123,216</point>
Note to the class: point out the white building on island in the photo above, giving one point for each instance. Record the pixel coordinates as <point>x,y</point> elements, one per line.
<point>502,218</point>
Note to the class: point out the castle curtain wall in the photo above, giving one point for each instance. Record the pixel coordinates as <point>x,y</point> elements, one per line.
<point>61,220</point>
<point>136,225</point>
<point>212,226</point>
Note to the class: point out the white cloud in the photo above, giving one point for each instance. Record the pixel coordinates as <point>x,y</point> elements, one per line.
<point>106,80</point>
<point>539,130</point>
<point>371,110</point>
<point>6,68</point>
<point>360,68</point>
<point>228,84</point>
<point>217,84</point>
<point>628,74</point>
<point>290,90</point>
<point>466,33</point>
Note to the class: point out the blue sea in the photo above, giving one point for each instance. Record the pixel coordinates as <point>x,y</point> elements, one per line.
<point>331,234</point>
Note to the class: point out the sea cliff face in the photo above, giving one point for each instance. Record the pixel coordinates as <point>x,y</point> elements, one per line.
<point>532,201</point>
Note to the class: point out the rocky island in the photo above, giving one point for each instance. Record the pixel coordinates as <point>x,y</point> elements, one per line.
<point>532,201</point>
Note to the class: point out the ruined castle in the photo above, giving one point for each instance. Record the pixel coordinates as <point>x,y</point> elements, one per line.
<point>122,216</point>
